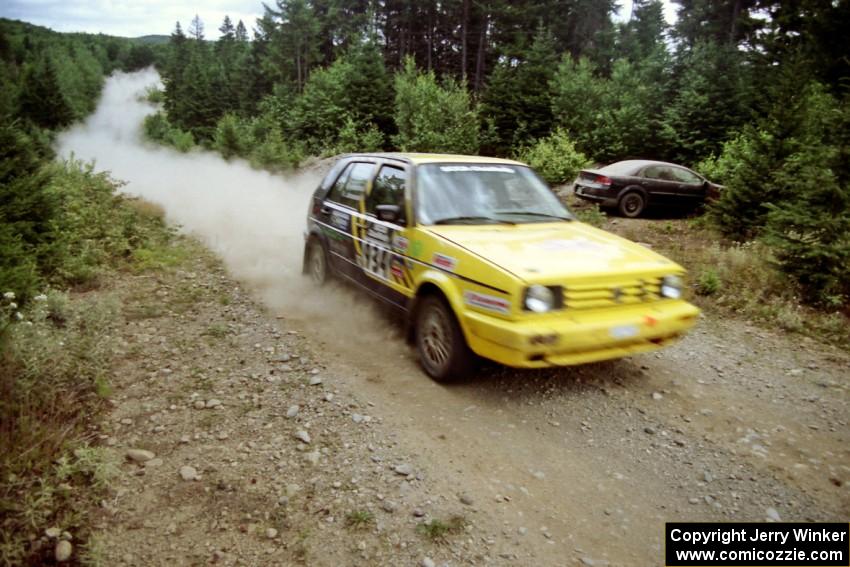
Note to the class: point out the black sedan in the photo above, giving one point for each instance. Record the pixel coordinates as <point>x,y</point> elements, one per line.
<point>632,185</point>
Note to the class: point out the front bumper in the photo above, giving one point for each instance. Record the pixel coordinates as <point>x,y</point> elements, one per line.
<point>579,337</point>
<point>601,196</point>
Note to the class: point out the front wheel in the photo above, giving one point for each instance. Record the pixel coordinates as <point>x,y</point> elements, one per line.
<point>442,348</point>
<point>632,204</point>
<point>317,262</point>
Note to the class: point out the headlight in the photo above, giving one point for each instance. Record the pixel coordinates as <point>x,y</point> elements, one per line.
<point>539,299</point>
<point>671,287</point>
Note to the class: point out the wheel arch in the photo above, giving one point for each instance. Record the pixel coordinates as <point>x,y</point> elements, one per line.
<point>634,189</point>
<point>439,284</point>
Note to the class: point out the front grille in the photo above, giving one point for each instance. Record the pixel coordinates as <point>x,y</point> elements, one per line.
<point>620,292</point>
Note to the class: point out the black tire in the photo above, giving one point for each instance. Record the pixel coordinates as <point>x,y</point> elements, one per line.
<point>443,352</point>
<point>316,264</point>
<point>632,204</point>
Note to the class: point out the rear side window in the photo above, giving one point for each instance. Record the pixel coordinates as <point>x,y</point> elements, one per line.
<point>388,189</point>
<point>661,172</point>
<point>686,176</point>
<point>351,185</point>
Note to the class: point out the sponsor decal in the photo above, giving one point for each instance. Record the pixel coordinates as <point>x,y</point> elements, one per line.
<point>339,220</point>
<point>444,262</point>
<point>400,243</point>
<point>378,232</point>
<point>488,302</point>
<point>416,248</point>
<point>397,270</point>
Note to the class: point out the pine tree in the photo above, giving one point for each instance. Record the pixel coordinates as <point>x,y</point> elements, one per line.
<point>26,211</point>
<point>518,97</point>
<point>42,99</point>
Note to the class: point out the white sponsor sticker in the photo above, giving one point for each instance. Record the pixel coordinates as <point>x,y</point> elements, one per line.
<point>444,262</point>
<point>487,168</point>
<point>488,302</point>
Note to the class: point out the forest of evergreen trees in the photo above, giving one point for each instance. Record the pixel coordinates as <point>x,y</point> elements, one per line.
<point>751,92</point>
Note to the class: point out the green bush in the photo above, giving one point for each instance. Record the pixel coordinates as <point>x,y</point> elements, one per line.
<point>555,158</point>
<point>158,129</point>
<point>431,117</point>
<point>708,282</point>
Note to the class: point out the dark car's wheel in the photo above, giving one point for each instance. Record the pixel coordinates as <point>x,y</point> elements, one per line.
<point>317,262</point>
<point>631,204</point>
<point>442,348</point>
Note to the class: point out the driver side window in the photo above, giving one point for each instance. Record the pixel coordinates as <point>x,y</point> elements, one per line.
<point>388,189</point>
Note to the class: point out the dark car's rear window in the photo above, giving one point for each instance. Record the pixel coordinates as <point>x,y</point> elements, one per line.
<point>622,168</point>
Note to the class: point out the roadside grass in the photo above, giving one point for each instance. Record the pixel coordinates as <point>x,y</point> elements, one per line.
<point>438,530</point>
<point>56,359</point>
<point>590,214</point>
<point>359,519</point>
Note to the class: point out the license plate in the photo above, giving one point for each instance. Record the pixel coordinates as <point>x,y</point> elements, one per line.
<point>623,331</point>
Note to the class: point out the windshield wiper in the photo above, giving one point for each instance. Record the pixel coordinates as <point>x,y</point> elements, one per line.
<point>535,214</point>
<point>450,220</point>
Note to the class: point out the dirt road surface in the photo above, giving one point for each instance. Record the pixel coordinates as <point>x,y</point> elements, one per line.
<point>572,466</point>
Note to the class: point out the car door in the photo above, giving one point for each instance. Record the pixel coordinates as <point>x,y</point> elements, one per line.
<point>691,186</point>
<point>341,213</point>
<point>661,183</point>
<point>382,237</point>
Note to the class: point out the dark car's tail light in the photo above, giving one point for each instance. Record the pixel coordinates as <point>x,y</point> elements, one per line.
<point>603,180</point>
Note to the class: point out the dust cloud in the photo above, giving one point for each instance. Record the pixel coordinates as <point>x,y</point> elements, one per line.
<point>253,220</point>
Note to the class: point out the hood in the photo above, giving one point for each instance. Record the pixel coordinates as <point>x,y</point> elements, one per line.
<point>557,251</point>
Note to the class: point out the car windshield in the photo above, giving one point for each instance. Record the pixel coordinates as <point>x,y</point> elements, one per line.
<point>484,193</point>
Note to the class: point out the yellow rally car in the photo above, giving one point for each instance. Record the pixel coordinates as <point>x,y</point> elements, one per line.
<point>483,258</point>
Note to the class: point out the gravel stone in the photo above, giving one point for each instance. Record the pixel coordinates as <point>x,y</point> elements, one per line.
<point>63,551</point>
<point>53,533</point>
<point>303,436</point>
<point>404,469</point>
<point>139,455</point>
<point>188,473</point>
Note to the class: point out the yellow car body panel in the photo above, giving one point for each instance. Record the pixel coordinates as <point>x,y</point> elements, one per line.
<point>484,270</point>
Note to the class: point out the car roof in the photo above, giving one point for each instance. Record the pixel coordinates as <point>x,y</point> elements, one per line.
<point>636,164</point>
<point>423,158</point>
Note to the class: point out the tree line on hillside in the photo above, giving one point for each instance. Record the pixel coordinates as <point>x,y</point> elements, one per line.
<point>48,231</point>
<point>751,92</point>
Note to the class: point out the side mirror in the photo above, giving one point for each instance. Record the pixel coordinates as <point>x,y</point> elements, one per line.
<point>388,213</point>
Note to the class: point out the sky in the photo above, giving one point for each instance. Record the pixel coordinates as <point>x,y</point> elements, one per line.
<point>133,18</point>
